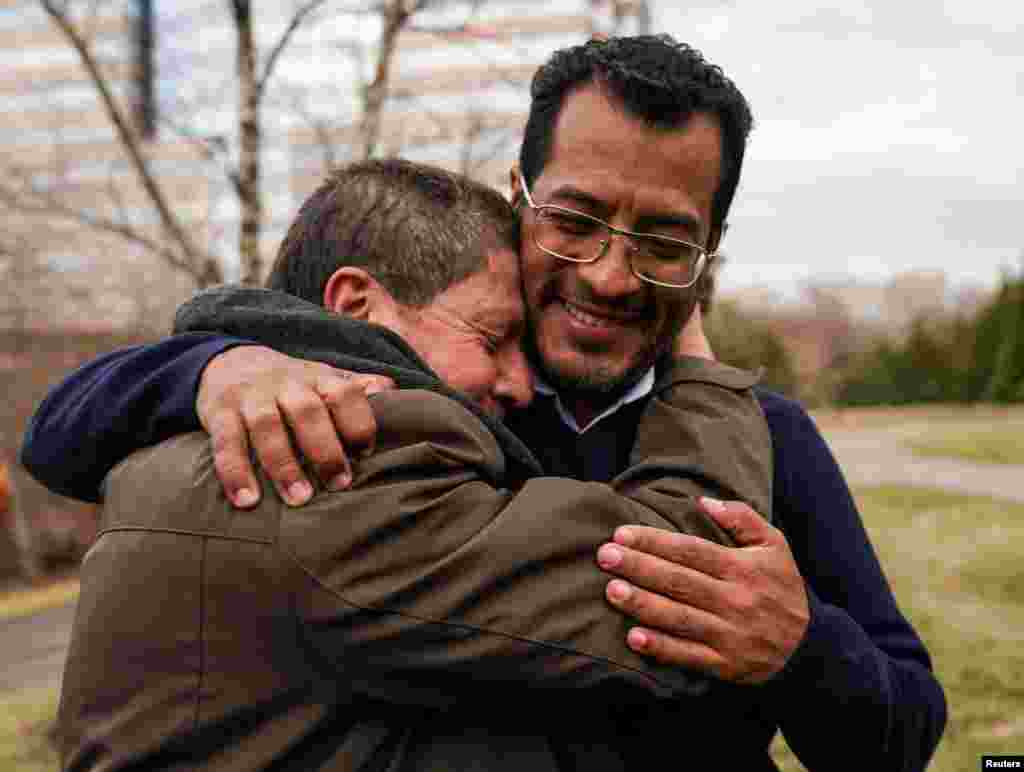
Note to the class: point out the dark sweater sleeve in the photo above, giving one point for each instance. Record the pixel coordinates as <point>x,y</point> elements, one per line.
<point>114,405</point>
<point>860,664</point>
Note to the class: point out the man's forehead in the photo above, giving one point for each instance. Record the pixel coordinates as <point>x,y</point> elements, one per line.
<point>600,149</point>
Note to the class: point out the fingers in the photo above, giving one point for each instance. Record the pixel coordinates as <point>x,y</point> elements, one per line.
<point>681,620</point>
<point>677,652</point>
<point>677,548</point>
<point>231,460</point>
<point>745,525</point>
<point>312,426</point>
<point>346,400</point>
<point>672,633</point>
<point>270,439</point>
<point>680,583</point>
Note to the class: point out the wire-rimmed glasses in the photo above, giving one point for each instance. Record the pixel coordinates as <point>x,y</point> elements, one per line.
<point>581,238</point>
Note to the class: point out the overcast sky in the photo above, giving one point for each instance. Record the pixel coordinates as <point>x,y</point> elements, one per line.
<point>888,135</point>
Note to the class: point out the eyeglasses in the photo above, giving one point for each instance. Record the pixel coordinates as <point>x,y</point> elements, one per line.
<point>580,238</point>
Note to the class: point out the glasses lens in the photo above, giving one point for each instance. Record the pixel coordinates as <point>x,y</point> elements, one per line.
<point>570,235</point>
<point>667,261</point>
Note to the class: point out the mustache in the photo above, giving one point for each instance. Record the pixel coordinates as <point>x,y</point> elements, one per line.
<point>639,304</point>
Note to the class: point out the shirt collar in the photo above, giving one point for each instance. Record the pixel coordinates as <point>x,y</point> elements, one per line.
<point>639,390</point>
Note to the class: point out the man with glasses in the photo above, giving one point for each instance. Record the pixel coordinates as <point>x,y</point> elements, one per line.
<point>629,164</point>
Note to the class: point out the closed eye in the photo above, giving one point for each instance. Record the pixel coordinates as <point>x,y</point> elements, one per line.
<point>569,222</point>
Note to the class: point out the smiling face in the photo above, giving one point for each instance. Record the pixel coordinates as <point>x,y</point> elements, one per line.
<point>471,335</point>
<point>596,327</point>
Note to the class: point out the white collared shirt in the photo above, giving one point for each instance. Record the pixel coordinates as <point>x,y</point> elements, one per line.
<point>639,390</point>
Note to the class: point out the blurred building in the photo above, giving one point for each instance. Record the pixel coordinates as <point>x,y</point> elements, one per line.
<point>890,306</point>
<point>836,319</point>
<point>458,97</point>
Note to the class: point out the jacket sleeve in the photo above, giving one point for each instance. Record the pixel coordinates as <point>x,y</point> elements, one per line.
<point>114,405</point>
<point>429,580</point>
<point>860,663</point>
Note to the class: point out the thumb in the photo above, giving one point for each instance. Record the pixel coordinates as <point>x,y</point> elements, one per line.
<point>746,526</point>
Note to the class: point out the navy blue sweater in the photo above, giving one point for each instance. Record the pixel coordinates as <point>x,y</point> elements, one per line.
<point>859,691</point>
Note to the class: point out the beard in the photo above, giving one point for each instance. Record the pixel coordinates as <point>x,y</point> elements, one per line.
<point>600,383</point>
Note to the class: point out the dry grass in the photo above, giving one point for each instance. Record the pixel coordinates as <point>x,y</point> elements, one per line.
<point>25,720</point>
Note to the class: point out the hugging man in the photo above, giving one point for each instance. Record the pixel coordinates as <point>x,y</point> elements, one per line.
<point>375,627</point>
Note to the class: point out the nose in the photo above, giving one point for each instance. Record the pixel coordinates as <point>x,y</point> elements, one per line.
<point>611,275</point>
<point>513,387</point>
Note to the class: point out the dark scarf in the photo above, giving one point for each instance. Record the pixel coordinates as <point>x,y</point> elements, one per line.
<point>306,331</point>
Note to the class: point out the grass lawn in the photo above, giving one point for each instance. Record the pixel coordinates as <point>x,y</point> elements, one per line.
<point>25,718</point>
<point>956,569</point>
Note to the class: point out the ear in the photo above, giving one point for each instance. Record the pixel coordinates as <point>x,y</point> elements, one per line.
<point>352,292</point>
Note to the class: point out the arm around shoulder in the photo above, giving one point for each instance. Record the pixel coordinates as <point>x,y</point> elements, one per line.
<point>114,405</point>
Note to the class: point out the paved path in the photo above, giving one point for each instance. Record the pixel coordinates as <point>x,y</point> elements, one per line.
<point>877,456</point>
<point>32,649</point>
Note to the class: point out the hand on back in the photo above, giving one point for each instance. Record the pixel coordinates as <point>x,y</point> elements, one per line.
<point>252,396</point>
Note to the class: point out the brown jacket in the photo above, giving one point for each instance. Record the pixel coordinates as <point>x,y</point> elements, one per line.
<point>429,618</point>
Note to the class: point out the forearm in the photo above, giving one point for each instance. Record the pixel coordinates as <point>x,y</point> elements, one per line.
<point>112,406</point>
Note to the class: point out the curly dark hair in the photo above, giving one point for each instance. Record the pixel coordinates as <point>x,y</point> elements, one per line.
<point>416,228</point>
<point>659,80</point>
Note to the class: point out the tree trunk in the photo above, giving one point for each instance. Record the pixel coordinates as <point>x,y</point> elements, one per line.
<point>250,200</point>
<point>394,16</point>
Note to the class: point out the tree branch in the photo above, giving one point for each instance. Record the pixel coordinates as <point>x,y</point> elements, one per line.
<point>275,53</point>
<point>198,262</point>
<point>50,203</point>
<point>212,149</point>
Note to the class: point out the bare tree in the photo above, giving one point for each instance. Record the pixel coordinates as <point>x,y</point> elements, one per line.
<point>238,155</point>
<point>183,252</point>
<point>174,245</point>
